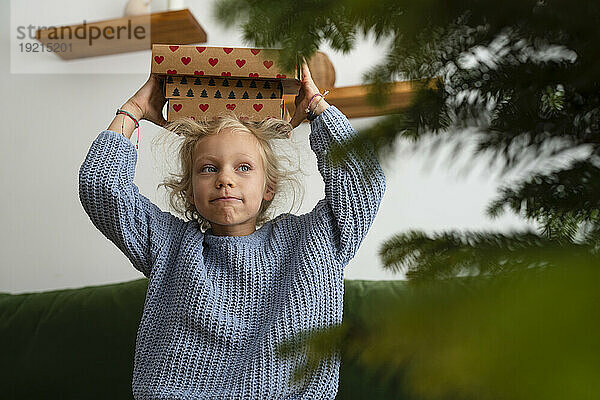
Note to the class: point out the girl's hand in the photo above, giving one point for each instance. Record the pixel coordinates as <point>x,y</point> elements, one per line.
<point>307,90</point>
<point>147,103</point>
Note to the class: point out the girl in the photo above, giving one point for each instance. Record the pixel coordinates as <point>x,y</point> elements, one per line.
<point>220,301</point>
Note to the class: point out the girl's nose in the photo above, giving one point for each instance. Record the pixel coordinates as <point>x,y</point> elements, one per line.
<point>224,179</point>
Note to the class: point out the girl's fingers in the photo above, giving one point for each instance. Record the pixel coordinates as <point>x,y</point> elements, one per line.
<point>306,71</point>
<point>307,80</point>
<point>294,122</point>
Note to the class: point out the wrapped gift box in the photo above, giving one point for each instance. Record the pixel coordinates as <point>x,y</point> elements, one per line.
<point>202,109</point>
<point>204,82</point>
<point>237,62</point>
<point>229,88</point>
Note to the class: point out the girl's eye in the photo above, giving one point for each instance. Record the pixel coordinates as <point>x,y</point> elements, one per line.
<point>241,166</point>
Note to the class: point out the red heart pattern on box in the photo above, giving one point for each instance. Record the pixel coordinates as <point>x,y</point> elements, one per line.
<point>217,61</point>
<point>252,109</point>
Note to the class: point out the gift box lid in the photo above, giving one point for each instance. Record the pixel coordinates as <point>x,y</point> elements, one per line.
<point>232,62</point>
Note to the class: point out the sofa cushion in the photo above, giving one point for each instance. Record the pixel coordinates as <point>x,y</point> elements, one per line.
<point>80,343</point>
<point>70,344</point>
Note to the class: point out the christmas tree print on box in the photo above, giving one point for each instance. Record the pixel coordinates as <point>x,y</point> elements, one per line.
<point>230,88</point>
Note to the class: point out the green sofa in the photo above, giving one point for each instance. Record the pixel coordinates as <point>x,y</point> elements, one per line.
<point>79,343</point>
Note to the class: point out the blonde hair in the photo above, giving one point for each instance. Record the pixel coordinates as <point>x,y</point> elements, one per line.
<point>277,176</point>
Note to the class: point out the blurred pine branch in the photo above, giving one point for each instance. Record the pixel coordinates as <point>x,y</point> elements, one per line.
<point>520,335</point>
<point>524,75</point>
<point>522,72</point>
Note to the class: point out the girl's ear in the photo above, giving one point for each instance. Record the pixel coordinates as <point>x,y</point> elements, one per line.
<point>269,194</point>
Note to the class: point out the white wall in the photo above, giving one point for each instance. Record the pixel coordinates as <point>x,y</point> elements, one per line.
<point>50,120</point>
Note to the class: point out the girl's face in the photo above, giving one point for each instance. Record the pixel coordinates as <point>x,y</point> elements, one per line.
<point>229,164</point>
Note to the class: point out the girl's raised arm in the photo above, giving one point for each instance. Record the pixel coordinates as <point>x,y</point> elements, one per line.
<point>354,190</point>
<point>110,198</point>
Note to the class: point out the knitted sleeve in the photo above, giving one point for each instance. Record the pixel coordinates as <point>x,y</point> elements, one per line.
<point>116,208</point>
<point>353,191</point>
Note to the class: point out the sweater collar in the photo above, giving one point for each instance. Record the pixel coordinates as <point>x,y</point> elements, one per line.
<point>255,238</point>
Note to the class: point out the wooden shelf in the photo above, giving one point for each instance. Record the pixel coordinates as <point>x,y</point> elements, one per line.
<point>167,27</point>
<point>351,100</point>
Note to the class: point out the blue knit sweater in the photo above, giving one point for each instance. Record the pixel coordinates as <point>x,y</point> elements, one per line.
<point>217,306</point>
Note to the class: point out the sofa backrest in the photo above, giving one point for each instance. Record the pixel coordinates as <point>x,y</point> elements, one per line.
<point>79,343</point>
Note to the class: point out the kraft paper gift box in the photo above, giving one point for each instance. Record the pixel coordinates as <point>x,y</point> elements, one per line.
<point>207,97</point>
<point>177,87</point>
<point>251,109</point>
<point>201,90</point>
<point>236,62</point>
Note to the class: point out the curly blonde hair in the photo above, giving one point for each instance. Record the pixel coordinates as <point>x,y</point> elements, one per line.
<point>277,176</point>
